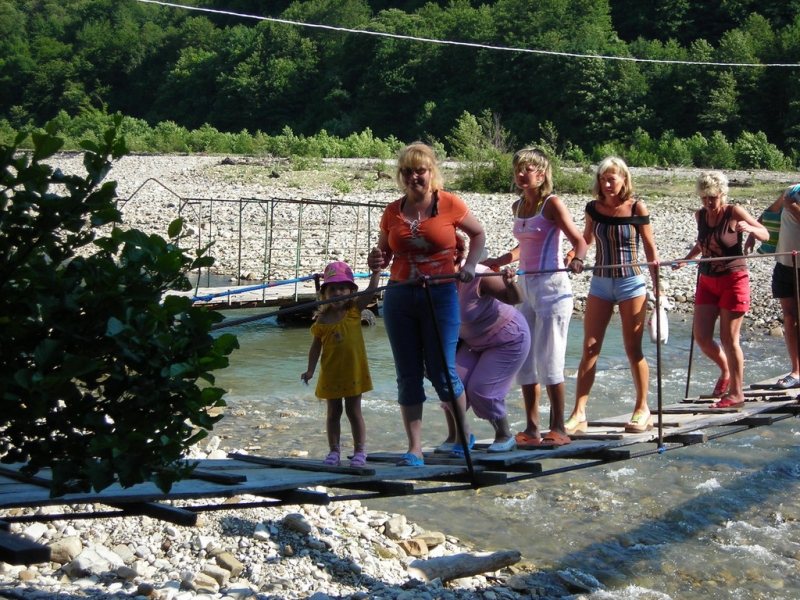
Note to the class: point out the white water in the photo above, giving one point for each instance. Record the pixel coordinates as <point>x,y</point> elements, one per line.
<point>717,520</point>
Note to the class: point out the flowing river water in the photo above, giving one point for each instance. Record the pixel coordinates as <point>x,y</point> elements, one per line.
<point>715,520</point>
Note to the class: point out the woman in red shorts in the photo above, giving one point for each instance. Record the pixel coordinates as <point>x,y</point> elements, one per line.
<point>723,288</point>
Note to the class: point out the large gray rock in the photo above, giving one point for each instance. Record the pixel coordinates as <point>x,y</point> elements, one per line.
<point>66,549</point>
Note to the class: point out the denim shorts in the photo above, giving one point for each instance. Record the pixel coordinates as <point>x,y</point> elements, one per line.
<point>618,289</point>
<point>412,335</point>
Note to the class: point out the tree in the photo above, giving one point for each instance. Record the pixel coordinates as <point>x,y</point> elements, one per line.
<point>98,375</point>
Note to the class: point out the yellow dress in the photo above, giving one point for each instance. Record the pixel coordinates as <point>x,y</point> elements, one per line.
<point>343,366</point>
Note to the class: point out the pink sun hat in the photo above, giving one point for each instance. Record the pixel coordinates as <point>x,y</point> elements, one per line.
<point>338,272</point>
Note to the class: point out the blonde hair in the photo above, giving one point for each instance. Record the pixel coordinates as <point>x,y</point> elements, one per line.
<point>712,183</point>
<point>415,156</point>
<point>536,158</point>
<point>617,165</point>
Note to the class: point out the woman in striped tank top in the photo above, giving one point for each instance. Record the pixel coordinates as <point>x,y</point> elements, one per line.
<point>616,223</point>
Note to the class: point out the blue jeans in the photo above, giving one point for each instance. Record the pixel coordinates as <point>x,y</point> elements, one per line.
<point>412,336</point>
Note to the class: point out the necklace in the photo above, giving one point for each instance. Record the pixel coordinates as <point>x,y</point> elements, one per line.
<point>413,225</point>
<point>536,208</point>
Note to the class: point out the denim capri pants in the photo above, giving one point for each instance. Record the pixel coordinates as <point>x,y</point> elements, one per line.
<point>412,336</point>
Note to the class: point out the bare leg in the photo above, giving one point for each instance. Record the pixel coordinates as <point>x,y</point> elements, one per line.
<point>595,322</point>
<point>412,421</point>
<point>557,395</point>
<point>352,407</point>
<point>451,426</point>
<point>790,333</point>
<point>632,314</point>
<point>730,323</point>
<point>462,412</point>
<point>530,395</point>
<point>705,319</point>
<point>333,422</point>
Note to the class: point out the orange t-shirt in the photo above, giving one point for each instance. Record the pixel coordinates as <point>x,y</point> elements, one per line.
<point>432,250</point>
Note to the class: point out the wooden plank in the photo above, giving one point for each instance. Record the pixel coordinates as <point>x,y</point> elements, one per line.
<point>791,409</point>
<point>754,421</point>
<point>483,478</point>
<point>778,398</point>
<point>687,439</point>
<point>390,488</point>
<point>770,387</point>
<point>170,514</point>
<point>501,461</point>
<point>302,497</point>
<point>520,467</point>
<point>615,454</point>
<point>16,475</point>
<point>17,550</point>
<point>598,436</point>
<point>224,478</point>
<point>301,465</point>
<point>622,423</point>
<point>700,409</point>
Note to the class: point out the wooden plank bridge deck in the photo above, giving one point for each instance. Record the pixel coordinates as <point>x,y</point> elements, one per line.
<point>295,481</point>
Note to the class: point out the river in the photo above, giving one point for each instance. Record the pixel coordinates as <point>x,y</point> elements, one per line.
<point>715,520</point>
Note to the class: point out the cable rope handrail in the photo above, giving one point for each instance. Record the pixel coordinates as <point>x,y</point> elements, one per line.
<point>253,288</point>
<point>477,45</point>
<point>305,306</point>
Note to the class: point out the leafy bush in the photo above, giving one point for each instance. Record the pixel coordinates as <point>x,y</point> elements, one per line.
<point>492,177</point>
<point>99,377</point>
<point>483,146</point>
<point>573,182</point>
<point>168,137</point>
<point>673,151</point>
<point>608,149</point>
<point>479,142</point>
<point>719,154</point>
<point>7,133</point>
<point>753,151</point>
<point>643,151</point>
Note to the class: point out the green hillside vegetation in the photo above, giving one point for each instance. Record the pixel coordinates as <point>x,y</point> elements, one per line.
<point>188,81</point>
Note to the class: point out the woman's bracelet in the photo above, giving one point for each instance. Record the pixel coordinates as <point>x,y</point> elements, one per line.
<point>577,258</point>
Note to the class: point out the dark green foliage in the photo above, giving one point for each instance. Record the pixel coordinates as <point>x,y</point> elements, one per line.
<point>179,70</point>
<point>98,377</point>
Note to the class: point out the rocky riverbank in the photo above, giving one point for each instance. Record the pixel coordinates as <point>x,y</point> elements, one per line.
<point>342,551</point>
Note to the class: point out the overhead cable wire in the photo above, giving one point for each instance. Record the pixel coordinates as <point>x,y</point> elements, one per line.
<point>412,38</point>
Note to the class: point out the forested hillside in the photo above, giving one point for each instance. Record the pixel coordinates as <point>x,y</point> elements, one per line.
<point>161,63</point>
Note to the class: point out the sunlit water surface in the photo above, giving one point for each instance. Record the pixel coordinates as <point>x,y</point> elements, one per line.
<point>717,520</point>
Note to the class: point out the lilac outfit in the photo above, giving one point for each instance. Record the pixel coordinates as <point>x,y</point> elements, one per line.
<point>496,341</point>
<point>547,299</point>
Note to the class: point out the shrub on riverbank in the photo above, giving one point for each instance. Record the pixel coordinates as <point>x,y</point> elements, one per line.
<point>481,143</point>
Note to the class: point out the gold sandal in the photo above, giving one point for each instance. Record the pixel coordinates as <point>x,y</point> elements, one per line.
<point>573,426</point>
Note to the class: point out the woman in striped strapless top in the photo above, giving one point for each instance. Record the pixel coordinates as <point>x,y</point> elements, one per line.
<point>616,222</point>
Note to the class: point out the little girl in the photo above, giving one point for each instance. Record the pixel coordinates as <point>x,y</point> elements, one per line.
<point>345,372</point>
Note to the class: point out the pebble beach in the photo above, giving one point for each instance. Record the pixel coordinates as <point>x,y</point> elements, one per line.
<point>345,550</point>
